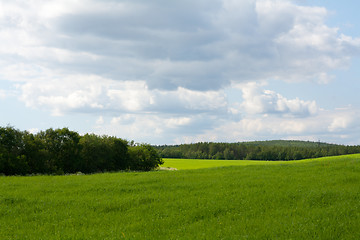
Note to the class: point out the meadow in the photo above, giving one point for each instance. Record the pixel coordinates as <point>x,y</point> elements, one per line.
<point>312,199</point>
<point>181,164</point>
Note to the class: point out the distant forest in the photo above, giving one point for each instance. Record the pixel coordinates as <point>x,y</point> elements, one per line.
<point>60,151</point>
<point>259,150</point>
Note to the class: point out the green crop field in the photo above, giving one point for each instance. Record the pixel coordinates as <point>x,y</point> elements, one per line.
<point>181,164</point>
<point>312,199</point>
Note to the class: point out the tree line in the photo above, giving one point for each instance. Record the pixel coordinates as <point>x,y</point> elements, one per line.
<point>260,150</point>
<point>59,151</point>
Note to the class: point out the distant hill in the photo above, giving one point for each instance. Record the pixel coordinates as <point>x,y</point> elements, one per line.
<point>290,143</point>
<point>272,150</point>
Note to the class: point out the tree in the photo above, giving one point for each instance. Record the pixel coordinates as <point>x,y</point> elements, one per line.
<point>144,157</point>
<point>62,147</point>
<point>228,154</point>
<point>93,153</point>
<point>12,161</point>
<point>99,154</point>
<point>63,151</point>
<point>36,154</point>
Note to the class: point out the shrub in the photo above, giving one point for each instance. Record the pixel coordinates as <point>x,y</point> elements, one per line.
<point>144,157</point>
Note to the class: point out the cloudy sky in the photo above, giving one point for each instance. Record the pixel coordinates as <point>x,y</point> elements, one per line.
<point>170,72</point>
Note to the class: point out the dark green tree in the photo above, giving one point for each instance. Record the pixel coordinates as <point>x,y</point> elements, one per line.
<point>62,149</point>
<point>144,157</point>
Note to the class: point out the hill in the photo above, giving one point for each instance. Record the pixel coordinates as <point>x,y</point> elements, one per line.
<point>291,143</point>
<point>257,150</point>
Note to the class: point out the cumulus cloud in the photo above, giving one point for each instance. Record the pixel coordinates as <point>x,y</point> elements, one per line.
<point>194,46</point>
<point>155,128</point>
<point>161,67</point>
<point>343,122</point>
<point>326,125</point>
<point>94,94</point>
<point>260,101</point>
<point>199,45</point>
<point>69,93</point>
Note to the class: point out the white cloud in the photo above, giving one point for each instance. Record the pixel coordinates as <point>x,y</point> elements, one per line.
<point>326,125</point>
<point>100,120</point>
<point>66,94</point>
<point>95,94</point>
<point>2,94</point>
<point>175,122</point>
<point>195,100</point>
<point>148,128</point>
<point>155,128</point>
<point>34,130</point>
<point>132,96</point>
<point>260,101</point>
<point>124,119</point>
<point>158,69</point>
<point>199,45</point>
<point>341,122</point>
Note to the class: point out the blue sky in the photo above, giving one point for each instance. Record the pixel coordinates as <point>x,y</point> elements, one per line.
<point>170,72</point>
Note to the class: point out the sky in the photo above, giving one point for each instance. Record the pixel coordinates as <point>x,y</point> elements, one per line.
<point>173,72</point>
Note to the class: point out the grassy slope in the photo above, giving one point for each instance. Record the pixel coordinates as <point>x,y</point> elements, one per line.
<point>308,200</point>
<point>181,164</point>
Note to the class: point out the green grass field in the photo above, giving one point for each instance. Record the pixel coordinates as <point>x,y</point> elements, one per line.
<point>181,164</point>
<point>312,199</point>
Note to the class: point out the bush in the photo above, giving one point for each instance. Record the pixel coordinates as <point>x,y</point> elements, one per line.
<point>144,157</point>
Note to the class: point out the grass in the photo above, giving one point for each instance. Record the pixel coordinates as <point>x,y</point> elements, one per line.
<point>313,199</point>
<point>182,164</point>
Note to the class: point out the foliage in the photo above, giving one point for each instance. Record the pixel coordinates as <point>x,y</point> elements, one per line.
<point>100,154</point>
<point>59,151</point>
<point>145,157</point>
<point>305,200</point>
<point>265,150</point>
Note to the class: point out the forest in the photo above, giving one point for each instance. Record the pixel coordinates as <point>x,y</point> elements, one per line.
<point>259,150</point>
<point>61,151</point>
